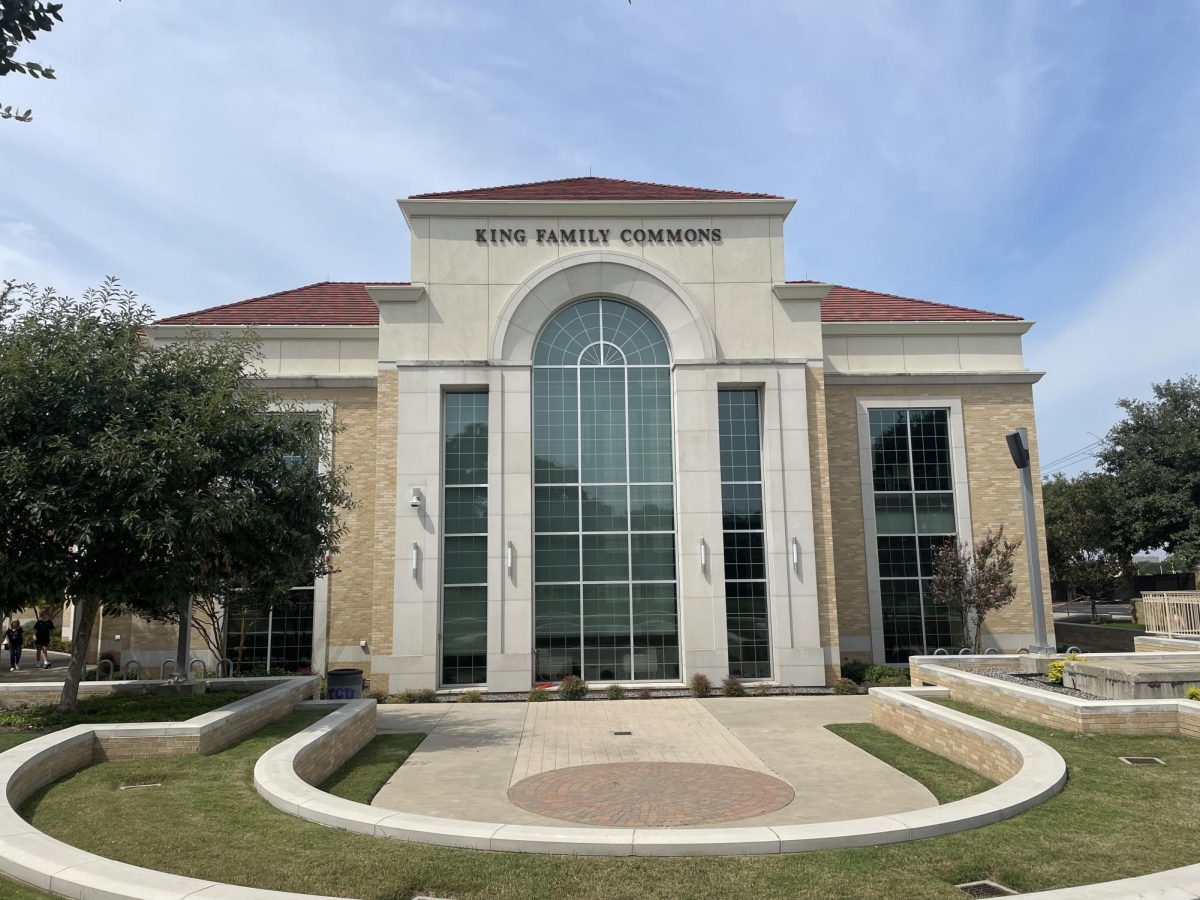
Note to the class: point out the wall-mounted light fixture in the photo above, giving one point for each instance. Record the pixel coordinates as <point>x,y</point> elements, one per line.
<point>509,558</point>
<point>796,554</point>
<point>703,555</point>
<point>415,551</point>
<point>416,499</point>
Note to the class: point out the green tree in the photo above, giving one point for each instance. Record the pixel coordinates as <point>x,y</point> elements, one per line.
<point>1084,535</point>
<point>1153,455</point>
<point>140,475</point>
<point>20,21</point>
<point>974,581</point>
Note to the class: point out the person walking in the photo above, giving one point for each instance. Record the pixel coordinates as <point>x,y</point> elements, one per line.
<point>15,636</point>
<point>42,629</point>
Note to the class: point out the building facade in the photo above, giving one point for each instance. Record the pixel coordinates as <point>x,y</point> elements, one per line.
<point>601,433</point>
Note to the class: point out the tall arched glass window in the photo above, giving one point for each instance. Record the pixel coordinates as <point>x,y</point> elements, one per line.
<point>604,514</point>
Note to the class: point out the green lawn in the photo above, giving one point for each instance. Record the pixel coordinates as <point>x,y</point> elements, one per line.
<point>362,777</point>
<point>1111,821</point>
<point>108,708</point>
<point>946,780</point>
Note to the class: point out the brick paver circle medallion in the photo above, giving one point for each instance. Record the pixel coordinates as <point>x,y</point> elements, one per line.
<point>650,794</point>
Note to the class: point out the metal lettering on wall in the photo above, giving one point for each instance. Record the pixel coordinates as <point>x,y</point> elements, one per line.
<point>596,236</point>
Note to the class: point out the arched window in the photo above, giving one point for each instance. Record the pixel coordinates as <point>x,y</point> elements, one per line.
<point>604,514</point>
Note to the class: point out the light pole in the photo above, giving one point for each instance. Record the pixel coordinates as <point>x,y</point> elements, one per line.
<point>1018,447</point>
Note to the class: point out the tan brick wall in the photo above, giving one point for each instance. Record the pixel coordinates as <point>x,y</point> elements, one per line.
<point>49,768</point>
<point>322,758</point>
<point>989,412</point>
<point>955,744</point>
<point>1155,644</point>
<point>822,518</point>
<point>1112,718</point>
<point>350,586</point>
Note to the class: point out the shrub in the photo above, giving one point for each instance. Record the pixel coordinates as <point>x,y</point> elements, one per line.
<point>1055,673</point>
<point>573,688</point>
<point>845,686</point>
<point>416,695</point>
<point>701,686</point>
<point>878,674</point>
<point>615,692</point>
<point>377,696</point>
<point>645,693</point>
<point>762,689</point>
<point>471,696</point>
<point>1193,693</point>
<point>733,687</point>
<point>890,681</point>
<point>539,695</point>
<point>854,669</point>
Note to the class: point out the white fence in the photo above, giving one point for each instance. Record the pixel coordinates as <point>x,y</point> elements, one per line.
<point>1173,613</point>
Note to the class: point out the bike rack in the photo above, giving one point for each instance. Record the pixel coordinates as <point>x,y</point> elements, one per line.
<point>941,651</point>
<point>128,665</point>
<point>990,651</point>
<point>1073,649</point>
<point>965,651</point>
<point>203,667</point>
<point>102,663</point>
<point>163,669</point>
<point>225,664</point>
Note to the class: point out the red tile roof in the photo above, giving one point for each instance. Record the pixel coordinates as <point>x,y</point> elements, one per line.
<point>590,188</point>
<point>847,304</point>
<point>323,303</point>
<point>348,303</point>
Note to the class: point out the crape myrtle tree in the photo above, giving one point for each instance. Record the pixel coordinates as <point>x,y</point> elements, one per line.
<point>1153,456</point>
<point>974,581</point>
<point>139,475</point>
<point>1084,537</point>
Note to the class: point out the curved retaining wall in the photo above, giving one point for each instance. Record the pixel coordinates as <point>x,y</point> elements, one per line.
<point>1036,771</point>
<point>30,856</point>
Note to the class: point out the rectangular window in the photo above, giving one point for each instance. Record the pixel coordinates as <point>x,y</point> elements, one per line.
<point>744,538</point>
<point>464,537</point>
<point>914,513</point>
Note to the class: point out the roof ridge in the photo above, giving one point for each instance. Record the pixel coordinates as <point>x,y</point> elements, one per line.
<point>593,178</point>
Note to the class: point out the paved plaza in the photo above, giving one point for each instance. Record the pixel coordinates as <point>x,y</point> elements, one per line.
<point>643,763</point>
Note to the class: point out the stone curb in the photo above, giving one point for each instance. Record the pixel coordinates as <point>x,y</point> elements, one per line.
<point>1041,774</point>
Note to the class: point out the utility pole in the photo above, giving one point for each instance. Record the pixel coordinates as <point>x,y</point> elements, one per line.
<point>1018,447</point>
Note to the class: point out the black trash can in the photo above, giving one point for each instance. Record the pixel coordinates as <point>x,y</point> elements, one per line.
<point>344,684</point>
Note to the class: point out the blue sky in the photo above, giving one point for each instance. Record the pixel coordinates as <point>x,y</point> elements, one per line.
<point>1038,158</point>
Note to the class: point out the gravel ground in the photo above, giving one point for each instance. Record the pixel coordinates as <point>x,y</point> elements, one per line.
<point>1037,681</point>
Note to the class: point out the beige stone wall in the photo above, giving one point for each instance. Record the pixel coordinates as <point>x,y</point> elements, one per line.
<point>818,444</point>
<point>989,412</point>
<point>383,564</point>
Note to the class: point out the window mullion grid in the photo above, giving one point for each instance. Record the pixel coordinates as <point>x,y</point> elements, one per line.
<point>912,487</point>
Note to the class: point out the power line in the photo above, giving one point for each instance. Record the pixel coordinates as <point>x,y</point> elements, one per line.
<point>1081,452</point>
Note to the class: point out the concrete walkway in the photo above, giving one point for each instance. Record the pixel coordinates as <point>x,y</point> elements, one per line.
<point>476,752</point>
